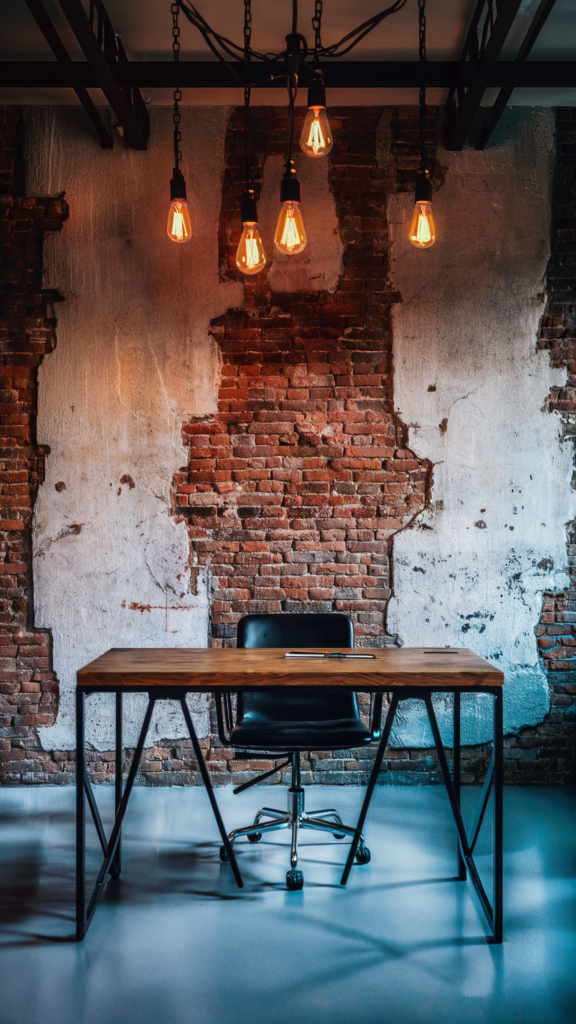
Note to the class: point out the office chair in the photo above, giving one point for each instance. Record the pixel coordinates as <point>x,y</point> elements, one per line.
<point>285,723</point>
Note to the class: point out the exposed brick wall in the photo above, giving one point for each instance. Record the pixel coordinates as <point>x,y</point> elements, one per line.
<point>294,490</point>
<point>295,487</point>
<point>28,687</point>
<point>555,740</point>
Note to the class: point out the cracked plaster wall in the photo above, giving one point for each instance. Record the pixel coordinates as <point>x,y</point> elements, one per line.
<point>133,361</point>
<point>469,381</point>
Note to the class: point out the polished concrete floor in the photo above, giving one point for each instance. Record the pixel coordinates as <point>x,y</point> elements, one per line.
<point>175,942</point>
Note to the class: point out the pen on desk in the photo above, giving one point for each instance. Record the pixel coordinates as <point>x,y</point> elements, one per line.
<point>322,654</point>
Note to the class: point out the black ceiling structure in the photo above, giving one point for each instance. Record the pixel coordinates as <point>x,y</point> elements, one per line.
<point>106,67</point>
<point>107,62</point>
<point>489,28</point>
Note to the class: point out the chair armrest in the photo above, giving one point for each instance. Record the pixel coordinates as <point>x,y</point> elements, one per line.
<point>376,714</point>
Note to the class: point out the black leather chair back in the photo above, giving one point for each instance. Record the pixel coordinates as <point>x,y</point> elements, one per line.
<point>297,631</point>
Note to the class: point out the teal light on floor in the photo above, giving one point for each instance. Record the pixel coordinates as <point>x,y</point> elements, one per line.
<point>175,942</point>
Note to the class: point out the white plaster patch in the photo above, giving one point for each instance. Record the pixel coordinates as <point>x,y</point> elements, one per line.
<point>472,570</point>
<point>319,267</point>
<point>133,361</point>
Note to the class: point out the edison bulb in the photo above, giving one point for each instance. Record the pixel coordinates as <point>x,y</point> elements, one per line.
<point>250,255</point>
<point>179,227</point>
<point>316,138</point>
<point>290,236</point>
<point>422,228</point>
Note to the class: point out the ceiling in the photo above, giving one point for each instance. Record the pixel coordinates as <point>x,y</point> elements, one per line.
<point>145,27</point>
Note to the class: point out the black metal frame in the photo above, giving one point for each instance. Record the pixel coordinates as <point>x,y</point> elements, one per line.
<point>482,47</point>
<point>486,36</point>
<point>344,74</point>
<point>111,848</point>
<point>536,26</point>
<point>107,64</point>
<point>494,778</point>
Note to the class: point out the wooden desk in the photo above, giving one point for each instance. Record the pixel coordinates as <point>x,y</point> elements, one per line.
<point>404,673</point>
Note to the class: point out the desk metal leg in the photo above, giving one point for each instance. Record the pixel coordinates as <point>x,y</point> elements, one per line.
<point>206,780</point>
<point>456,772</point>
<point>84,916</point>
<point>117,861</point>
<point>370,788</point>
<point>80,818</point>
<point>488,909</point>
<point>498,755</point>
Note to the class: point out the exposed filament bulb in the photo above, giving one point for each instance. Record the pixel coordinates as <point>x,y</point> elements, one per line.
<point>422,231</point>
<point>290,236</point>
<point>422,227</point>
<point>250,255</point>
<point>179,227</point>
<point>316,137</point>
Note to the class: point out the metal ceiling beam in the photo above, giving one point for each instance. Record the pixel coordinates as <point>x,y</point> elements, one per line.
<point>506,91</point>
<point>105,66</point>
<point>481,53</point>
<point>395,74</point>
<point>70,69</point>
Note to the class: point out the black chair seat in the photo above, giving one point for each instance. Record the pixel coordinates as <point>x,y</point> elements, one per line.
<point>337,734</point>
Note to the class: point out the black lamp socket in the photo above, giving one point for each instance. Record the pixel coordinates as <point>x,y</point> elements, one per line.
<point>317,93</point>
<point>248,209</point>
<point>177,186</point>
<point>423,190</point>
<point>290,187</point>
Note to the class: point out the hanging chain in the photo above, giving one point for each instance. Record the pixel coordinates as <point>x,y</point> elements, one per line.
<point>422,58</point>
<point>247,29</point>
<point>247,88</point>
<point>317,26</point>
<point>177,92</point>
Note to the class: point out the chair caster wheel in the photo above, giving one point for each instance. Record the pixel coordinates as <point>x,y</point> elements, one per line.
<point>294,880</point>
<point>115,874</point>
<point>337,835</point>
<point>255,837</point>
<point>363,856</point>
<point>223,855</point>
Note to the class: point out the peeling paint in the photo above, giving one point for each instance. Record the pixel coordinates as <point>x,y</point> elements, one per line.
<point>469,319</point>
<point>133,360</point>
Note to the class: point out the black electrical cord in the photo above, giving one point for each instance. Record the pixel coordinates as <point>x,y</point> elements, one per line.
<point>217,42</point>
<point>357,34</point>
<point>422,59</point>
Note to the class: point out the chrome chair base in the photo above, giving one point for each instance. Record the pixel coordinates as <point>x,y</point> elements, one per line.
<point>295,817</point>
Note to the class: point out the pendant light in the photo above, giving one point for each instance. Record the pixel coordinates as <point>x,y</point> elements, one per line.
<point>290,236</point>
<point>250,255</point>
<point>178,227</point>
<point>422,232</point>
<point>316,138</point>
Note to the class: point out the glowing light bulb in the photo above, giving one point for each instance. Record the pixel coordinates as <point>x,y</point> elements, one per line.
<point>178,228</point>
<point>250,255</point>
<point>422,227</point>
<point>422,232</point>
<point>290,236</point>
<point>316,139</point>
